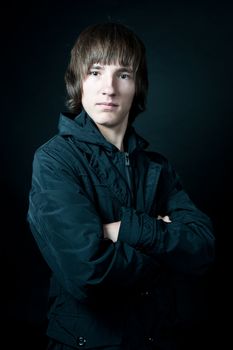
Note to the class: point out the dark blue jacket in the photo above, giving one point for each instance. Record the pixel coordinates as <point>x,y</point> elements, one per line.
<point>104,293</point>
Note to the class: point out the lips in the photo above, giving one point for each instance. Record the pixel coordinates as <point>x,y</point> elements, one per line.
<point>109,104</point>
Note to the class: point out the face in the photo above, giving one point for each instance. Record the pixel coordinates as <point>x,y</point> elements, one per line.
<point>107,94</point>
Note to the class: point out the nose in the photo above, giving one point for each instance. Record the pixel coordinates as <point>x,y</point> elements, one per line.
<point>108,86</point>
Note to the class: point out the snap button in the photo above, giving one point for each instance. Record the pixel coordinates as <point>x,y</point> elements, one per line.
<point>150,340</point>
<point>81,341</point>
<point>146,293</point>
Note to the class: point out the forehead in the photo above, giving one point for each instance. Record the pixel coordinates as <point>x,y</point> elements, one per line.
<point>108,56</point>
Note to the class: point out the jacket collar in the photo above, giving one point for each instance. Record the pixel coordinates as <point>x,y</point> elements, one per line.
<point>84,130</point>
<point>91,141</point>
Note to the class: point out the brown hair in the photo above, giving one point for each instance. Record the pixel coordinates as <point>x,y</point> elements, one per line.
<point>107,43</point>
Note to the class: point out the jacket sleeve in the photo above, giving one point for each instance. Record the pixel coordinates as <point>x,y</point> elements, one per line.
<point>185,245</point>
<point>69,233</point>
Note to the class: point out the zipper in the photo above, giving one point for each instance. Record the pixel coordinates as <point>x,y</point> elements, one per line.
<point>127,162</point>
<point>129,174</point>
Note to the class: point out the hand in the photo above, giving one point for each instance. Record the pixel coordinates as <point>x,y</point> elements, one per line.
<point>164,218</point>
<point>111,231</point>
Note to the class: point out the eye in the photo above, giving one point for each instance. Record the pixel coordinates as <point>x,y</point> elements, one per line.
<point>94,73</point>
<point>125,76</point>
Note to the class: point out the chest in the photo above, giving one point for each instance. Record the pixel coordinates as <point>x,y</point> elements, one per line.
<point>123,181</point>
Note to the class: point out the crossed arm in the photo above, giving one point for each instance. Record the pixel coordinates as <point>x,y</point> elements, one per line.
<point>111,230</point>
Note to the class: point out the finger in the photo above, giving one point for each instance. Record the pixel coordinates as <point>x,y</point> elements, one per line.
<point>166,218</point>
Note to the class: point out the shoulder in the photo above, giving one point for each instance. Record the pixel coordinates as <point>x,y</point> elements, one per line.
<point>156,157</point>
<point>58,150</point>
<point>48,148</point>
<point>168,171</point>
<point>159,159</point>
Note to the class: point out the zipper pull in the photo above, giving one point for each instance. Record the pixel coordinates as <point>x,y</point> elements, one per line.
<point>127,163</point>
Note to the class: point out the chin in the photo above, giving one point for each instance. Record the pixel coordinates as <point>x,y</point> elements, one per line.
<point>108,123</point>
<point>107,120</point>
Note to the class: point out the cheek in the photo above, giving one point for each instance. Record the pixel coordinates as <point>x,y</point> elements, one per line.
<point>86,92</point>
<point>130,94</point>
<point>132,90</point>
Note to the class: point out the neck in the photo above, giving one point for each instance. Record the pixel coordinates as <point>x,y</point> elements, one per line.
<point>114,135</point>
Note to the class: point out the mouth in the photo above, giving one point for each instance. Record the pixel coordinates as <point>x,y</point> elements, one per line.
<point>107,104</point>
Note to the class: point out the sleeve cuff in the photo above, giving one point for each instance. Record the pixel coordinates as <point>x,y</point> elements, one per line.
<point>136,229</point>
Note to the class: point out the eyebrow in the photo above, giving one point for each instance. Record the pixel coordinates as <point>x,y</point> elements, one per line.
<point>121,69</point>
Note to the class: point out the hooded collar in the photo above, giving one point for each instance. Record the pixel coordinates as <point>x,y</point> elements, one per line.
<point>83,129</point>
<point>90,140</point>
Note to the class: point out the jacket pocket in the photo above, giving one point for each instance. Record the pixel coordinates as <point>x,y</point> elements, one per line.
<point>83,332</point>
<point>85,326</point>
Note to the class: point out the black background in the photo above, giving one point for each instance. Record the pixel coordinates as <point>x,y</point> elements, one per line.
<point>188,119</point>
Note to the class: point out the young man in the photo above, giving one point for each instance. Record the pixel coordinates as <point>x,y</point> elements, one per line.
<point>111,219</point>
